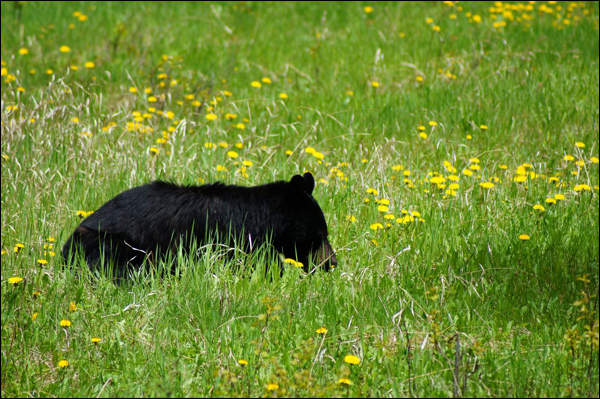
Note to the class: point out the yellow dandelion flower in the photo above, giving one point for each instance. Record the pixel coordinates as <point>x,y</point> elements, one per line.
<point>433,123</point>
<point>272,387</point>
<point>72,307</point>
<point>42,261</point>
<point>243,362</point>
<point>65,323</point>
<point>349,93</point>
<point>371,191</point>
<point>382,208</point>
<point>580,144</point>
<point>559,197</point>
<point>344,381</point>
<point>321,330</point>
<point>538,207</point>
<point>64,49</point>
<point>34,316</point>
<point>524,237</point>
<point>351,359</point>
<point>96,340</point>
<point>551,201</point>
<point>283,96</point>
<point>63,363</point>
<point>419,78</point>
<point>569,158</point>
<point>15,280</point>
<point>368,9</point>
<point>232,154</point>
<point>133,90</point>
<point>483,127</point>
<point>318,155</point>
<point>23,51</point>
<point>375,84</point>
<point>266,80</point>
<point>351,219</point>
<point>256,84</point>
<point>154,151</point>
<point>594,159</point>
<point>467,172</point>
<point>211,117</point>
<point>89,65</point>
<point>487,185</point>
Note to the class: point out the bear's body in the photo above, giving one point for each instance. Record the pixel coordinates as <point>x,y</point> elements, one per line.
<point>155,219</point>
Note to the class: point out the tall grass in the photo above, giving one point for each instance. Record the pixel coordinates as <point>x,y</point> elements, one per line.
<point>446,297</point>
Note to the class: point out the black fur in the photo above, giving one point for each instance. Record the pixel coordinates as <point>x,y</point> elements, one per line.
<point>152,220</point>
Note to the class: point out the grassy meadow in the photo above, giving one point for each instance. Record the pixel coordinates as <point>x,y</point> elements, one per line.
<point>455,148</point>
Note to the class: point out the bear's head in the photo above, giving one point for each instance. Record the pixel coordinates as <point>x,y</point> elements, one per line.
<point>305,238</point>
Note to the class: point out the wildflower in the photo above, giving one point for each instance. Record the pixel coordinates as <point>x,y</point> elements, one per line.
<point>133,90</point>
<point>243,362</point>
<point>23,51</point>
<point>368,9</point>
<point>582,187</point>
<point>569,158</point>
<point>232,154</point>
<point>247,163</point>
<point>42,262</point>
<point>550,201</point>
<point>96,340</point>
<point>423,135</point>
<point>520,179</point>
<point>483,127</point>
<point>321,330</point>
<point>256,84</point>
<point>433,123</point>
<point>283,96</point>
<point>351,359</point>
<point>594,159</point>
<point>266,80</point>
<point>467,172</point>
<point>538,207</point>
<point>318,155</point>
<point>272,387</point>
<point>72,307</point>
<point>351,219</point>
<point>65,323</point>
<point>211,117</point>
<point>559,197</point>
<point>382,208</point>
<point>524,237</point>
<point>487,185</point>
<point>375,84</point>
<point>469,137</point>
<point>376,226</point>
<point>15,280</point>
<point>154,151</point>
<point>75,120</point>
<point>64,49</point>
<point>437,180</point>
<point>19,247</point>
<point>63,363</point>
<point>170,114</point>
<point>503,167</point>
<point>419,78</point>
<point>580,144</point>
<point>349,93</point>
<point>34,316</point>
<point>344,381</point>
<point>89,65</point>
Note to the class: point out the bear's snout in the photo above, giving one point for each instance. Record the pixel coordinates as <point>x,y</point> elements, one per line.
<point>325,257</point>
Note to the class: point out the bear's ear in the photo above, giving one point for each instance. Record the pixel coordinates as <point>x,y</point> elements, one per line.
<point>305,184</point>
<point>298,183</point>
<point>310,182</point>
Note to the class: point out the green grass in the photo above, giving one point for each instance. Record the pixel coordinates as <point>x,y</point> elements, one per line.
<point>524,313</point>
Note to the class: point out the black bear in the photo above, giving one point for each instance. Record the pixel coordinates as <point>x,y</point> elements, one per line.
<point>158,218</point>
